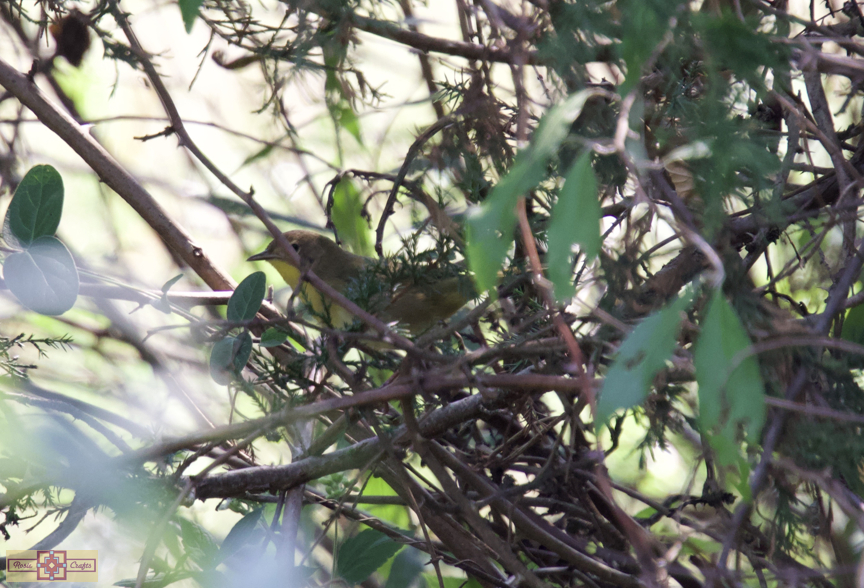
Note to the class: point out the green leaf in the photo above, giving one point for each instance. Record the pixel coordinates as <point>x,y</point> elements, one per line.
<point>489,232</point>
<point>406,569</point>
<point>36,207</point>
<point>222,360</point>
<point>273,337</point>
<point>451,581</point>
<point>701,547</point>
<point>641,356</point>
<point>727,453</point>
<point>172,542</point>
<point>242,351</point>
<point>361,555</point>
<point>739,46</point>
<point>397,516</point>
<point>490,226</point>
<point>742,484</point>
<point>189,11</point>
<point>43,277</point>
<point>159,580</point>
<point>347,216</point>
<point>644,25</point>
<point>229,357</point>
<point>728,395</point>
<point>646,513</point>
<point>347,119</point>
<point>853,325</point>
<point>575,218</point>
<point>241,533</point>
<point>260,154</point>
<point>247,297</point>
<point>725,449</point>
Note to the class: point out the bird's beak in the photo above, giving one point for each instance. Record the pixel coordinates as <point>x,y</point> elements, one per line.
<point>264,255</point>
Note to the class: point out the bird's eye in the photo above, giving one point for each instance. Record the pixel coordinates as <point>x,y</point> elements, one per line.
<point>295,246</point>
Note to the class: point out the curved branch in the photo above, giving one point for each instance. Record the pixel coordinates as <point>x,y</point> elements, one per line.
<point>114,176</point>
<point>439,125</point>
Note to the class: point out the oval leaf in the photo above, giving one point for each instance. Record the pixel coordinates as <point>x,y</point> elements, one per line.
<point>229,357</point>
<point>221,361</point>
<point>246,299</point>
<point>242,351</point>
<point>361,555</point>
<point>44,277</point>
<point>36,207</point>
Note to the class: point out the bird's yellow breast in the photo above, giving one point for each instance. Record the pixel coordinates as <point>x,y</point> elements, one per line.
<point>339,317</point>
<point>289,273</point>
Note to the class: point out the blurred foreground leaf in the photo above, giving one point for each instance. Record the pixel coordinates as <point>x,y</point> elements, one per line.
<point>44,277</point>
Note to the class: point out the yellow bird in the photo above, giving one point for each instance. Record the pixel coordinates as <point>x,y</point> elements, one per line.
<point>415,307</point>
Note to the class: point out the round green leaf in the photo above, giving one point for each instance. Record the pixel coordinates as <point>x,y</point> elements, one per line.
<point>44,277</point>
<point>246,299</point>
<point>36,207</point>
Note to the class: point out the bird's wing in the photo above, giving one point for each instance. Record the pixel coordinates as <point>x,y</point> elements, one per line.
<point>419,307</point>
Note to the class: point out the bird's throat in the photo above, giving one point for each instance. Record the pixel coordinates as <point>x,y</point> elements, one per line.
<point>289,273</point>
<point>339,317</point>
